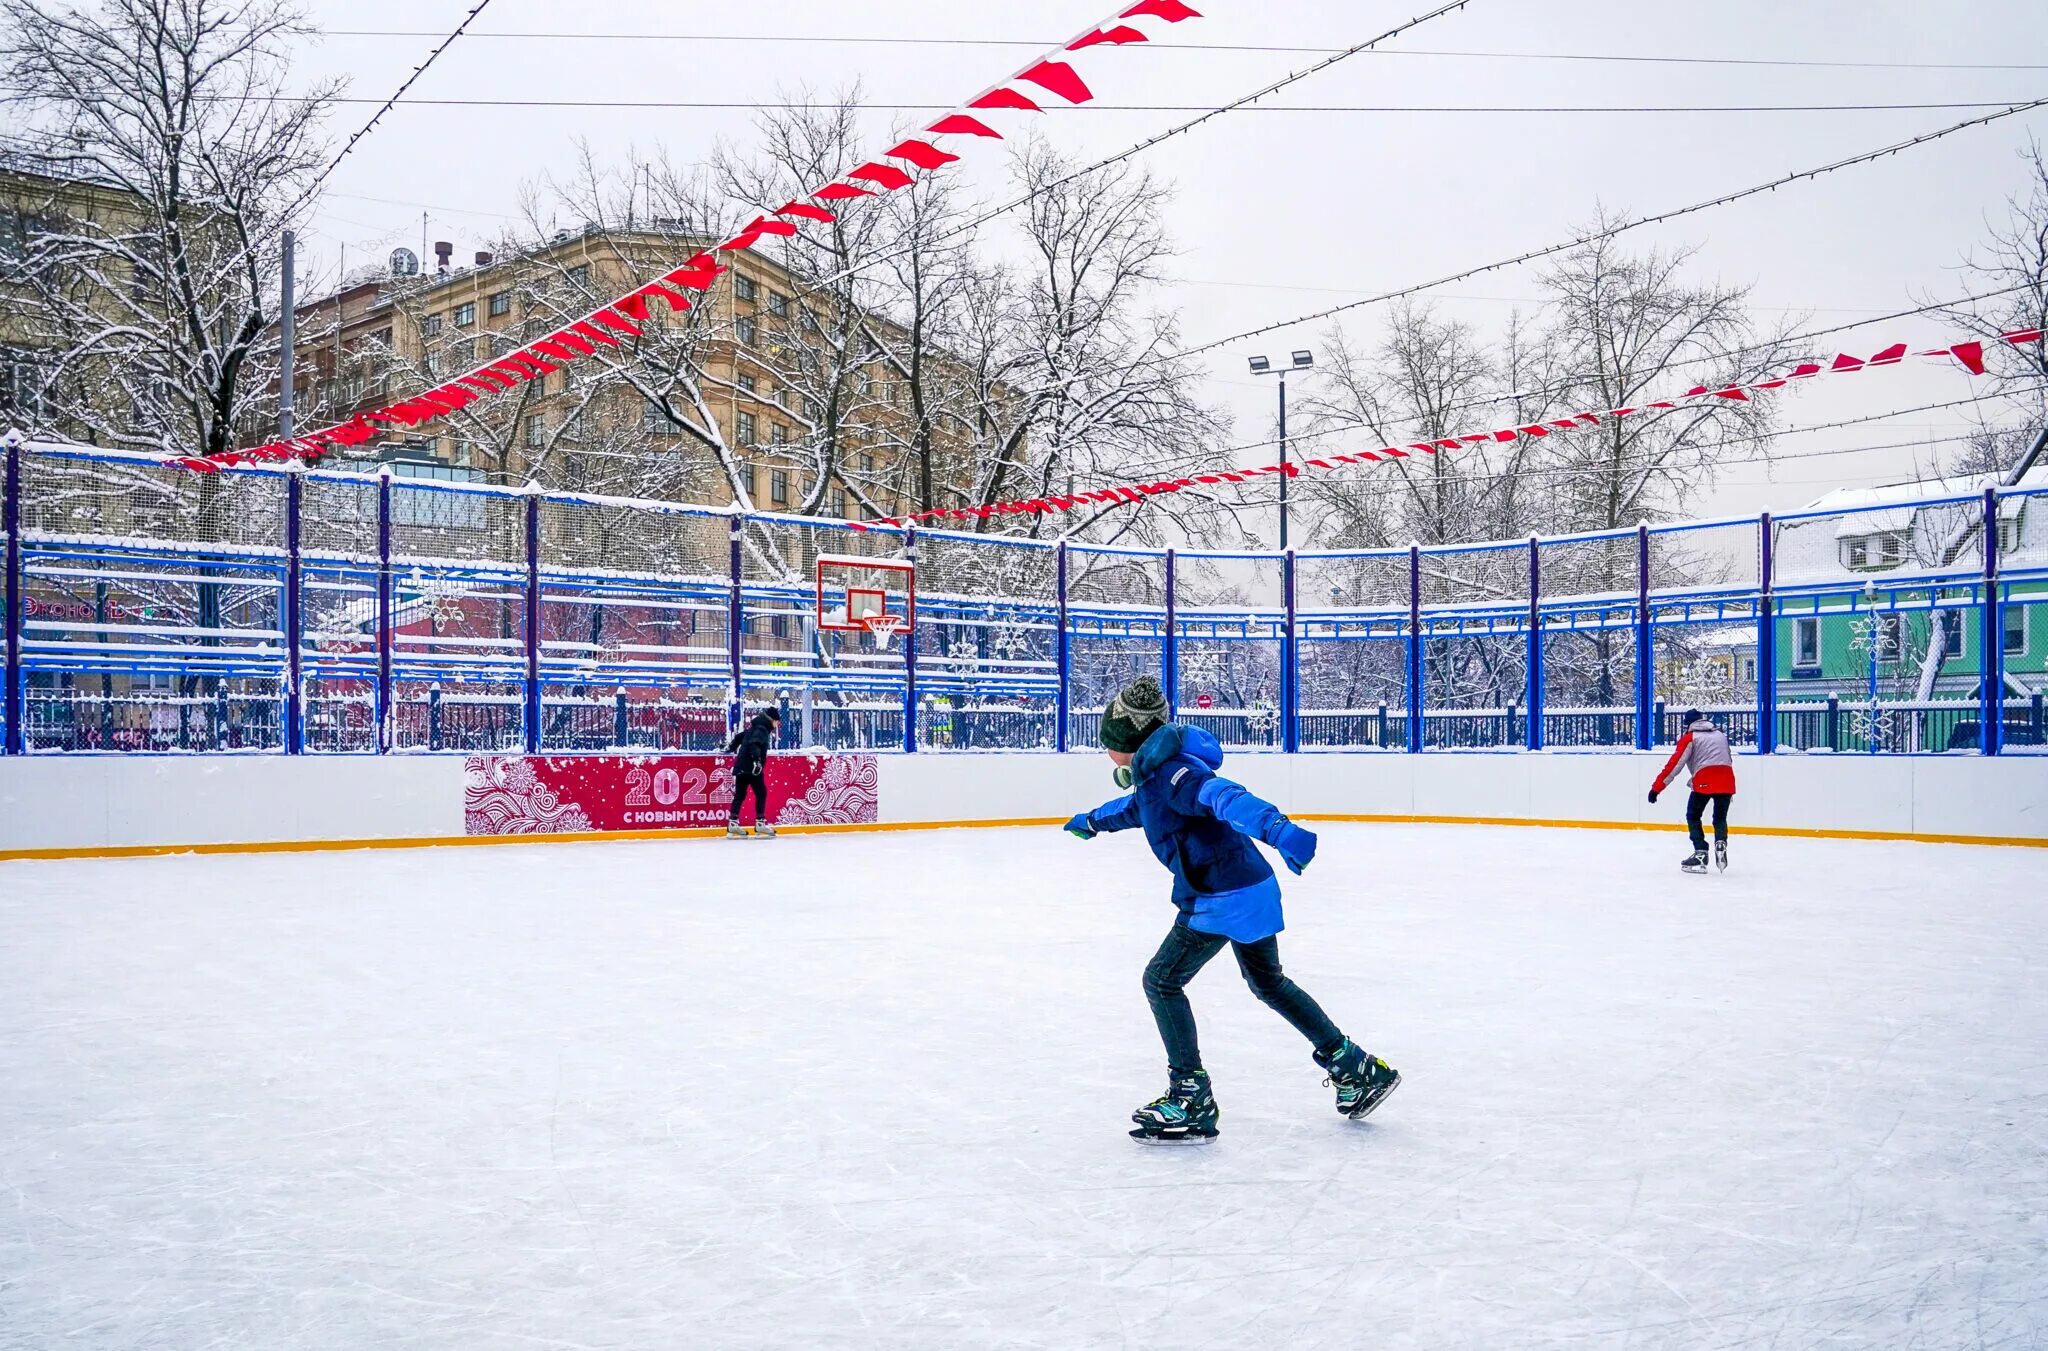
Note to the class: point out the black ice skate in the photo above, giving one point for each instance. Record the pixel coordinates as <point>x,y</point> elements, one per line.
<point>1185,1115</point>
<point>1695,862</point>
<point>1362,1081</point>
<point>1721,855</point>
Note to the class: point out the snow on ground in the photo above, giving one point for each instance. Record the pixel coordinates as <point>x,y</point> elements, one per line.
<point>870,1091</point>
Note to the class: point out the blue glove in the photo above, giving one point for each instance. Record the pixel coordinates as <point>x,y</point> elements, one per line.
<point>1653,797</point>
<point>1297,847</point>
<point>1080,829</point>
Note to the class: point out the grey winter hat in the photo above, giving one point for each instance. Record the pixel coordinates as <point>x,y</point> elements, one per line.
<point>1138,710</point>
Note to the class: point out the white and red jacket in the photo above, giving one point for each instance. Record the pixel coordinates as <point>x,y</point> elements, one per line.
<point>1704,751</point>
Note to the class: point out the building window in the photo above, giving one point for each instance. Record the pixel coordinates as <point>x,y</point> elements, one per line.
<point>748,481</point>
<point>778,625</point>
<point>1806,644</point>
<point>778,487</point>
<point>778,434</point>
<point>579,275</point>
<point>1749,670</point>
<point>867,462</point>
<point>1951,633</point>
<point>2012,626</point>
<point>536,430</point>
<point>430,326</point>
<point>745,429</point>
<point>1873,553</point>
<point>749,332</point>
<point>778,303</point>
<point>654,418</point>
<point>747,384</point>
<point>839,504</point>
<point>902,388</point>
<point>445,510</point>
<point>465,315</point>
<point>461,354</point>
<point>501,304</point>
<point>743,287</point>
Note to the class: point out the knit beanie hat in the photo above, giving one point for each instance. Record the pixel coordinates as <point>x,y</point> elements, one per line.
<point>1138,710</point>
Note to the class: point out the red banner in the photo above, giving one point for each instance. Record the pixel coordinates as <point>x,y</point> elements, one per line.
<point>577,794</point>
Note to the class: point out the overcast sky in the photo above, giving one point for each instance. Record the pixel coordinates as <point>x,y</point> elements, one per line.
<point>1281,212</point>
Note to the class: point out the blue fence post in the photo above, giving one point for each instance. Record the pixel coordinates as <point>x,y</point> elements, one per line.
<point>1169,647</point>
<point>294,612</point>
<point>735,628</point>
<point>1290,661</point>
<point>910,655</point>
<point>1834,721</point>
<point>1414,649</point>
<point>1063,651</point>
<point>10,616</point>
<point>1646,643</point>
<point>1535,658</point>
<point>1766,644</point>
<point>620,729</point>
<point>1991,689</point>
<point>533,608</point>
<point>384,612</point>
<point>434,716</point>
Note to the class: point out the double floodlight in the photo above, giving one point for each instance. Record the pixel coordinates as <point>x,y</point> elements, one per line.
<point>1264,366</point>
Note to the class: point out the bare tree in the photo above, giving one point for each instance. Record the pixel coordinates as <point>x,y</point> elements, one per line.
<point>153,310</point>
<point>2012,265</point>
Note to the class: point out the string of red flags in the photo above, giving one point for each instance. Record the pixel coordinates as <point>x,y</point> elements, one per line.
<point>1969,355</point>
<point>1050,76</point>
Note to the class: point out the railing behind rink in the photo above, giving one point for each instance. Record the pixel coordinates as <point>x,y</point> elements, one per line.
<point>261,610</point>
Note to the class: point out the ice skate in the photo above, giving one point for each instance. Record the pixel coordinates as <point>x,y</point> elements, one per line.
<point>735,831</point>
<point>765,831</point>
<point>1721,855</point>
<point>1184,1115</point>
<point>1362,1081</point>
<point>1695,862</point>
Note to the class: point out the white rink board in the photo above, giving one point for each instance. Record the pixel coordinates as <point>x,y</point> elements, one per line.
<point>93,802</point>
<point>869,1091</point>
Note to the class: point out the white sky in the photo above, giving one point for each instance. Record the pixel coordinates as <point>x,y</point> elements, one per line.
<point>1282,212</point>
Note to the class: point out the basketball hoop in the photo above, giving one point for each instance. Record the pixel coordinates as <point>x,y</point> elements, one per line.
<point>882,625</point>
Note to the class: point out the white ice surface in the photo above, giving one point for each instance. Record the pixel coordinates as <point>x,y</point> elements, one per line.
<point>871,1092</point>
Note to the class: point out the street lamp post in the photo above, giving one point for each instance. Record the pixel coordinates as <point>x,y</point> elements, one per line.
<point>1300,361</point>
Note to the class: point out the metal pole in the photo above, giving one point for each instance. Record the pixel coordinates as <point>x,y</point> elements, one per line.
<point>1646,674</point>
<point>384,612</point>
<point>1169,647</point>
<point>735,626</point>
<point>1283,461</point>
<point>1414,649</point>
<point>294,617</point>
<point>1290,662</point>
<point>534,711</point>
<point>1991,691</point>
<point>1063,652</point>
<point>1535,660</point>
<point>910,655</point>
<point>1766,645</point>
<point>287,324</point>
<point>10,521</point>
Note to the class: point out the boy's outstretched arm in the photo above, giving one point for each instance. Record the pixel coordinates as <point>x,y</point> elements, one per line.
<point>1251,815</point>
<point>1121,814</point>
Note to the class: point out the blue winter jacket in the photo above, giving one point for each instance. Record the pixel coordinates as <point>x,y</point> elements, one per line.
<point>1202,827</point>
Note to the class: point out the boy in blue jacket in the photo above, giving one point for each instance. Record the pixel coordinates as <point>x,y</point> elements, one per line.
<point>1202,826</point>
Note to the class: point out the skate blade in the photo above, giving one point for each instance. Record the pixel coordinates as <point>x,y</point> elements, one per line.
<point>1366,1108</point>
<point>1145,1137</point>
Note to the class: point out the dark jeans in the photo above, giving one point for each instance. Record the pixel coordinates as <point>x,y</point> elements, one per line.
<point>1696,807</point>
<point>1185,952</point>
<point>758,782</point>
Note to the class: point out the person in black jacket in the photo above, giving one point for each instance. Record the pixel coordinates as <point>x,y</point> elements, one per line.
<point>749,747</point>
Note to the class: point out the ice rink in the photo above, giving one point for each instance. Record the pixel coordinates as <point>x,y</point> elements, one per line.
<point>871,1091</point>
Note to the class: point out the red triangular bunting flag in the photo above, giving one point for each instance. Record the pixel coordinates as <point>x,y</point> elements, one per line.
<point>840,192</point>
<point>924,155</point>
<point>763,225</point>
<point>1845,362</point>
<point>1117,36</point>
<point>2024,335</point>
<point>1804,369</point>
<point>1006,98</point>
<point>1895,353</point>
<point>888,175</point>
<point>1732,392</point>
<point>806,212</point>
<point>960,124</point>
<point>1061,79</point>
<point>1971,354</point>
<point>1173,11</point>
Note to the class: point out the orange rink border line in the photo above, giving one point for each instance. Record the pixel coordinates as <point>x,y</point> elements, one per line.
<point>618,836</point>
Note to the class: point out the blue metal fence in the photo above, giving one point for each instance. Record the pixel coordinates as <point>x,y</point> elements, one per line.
<point>148,609</point>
